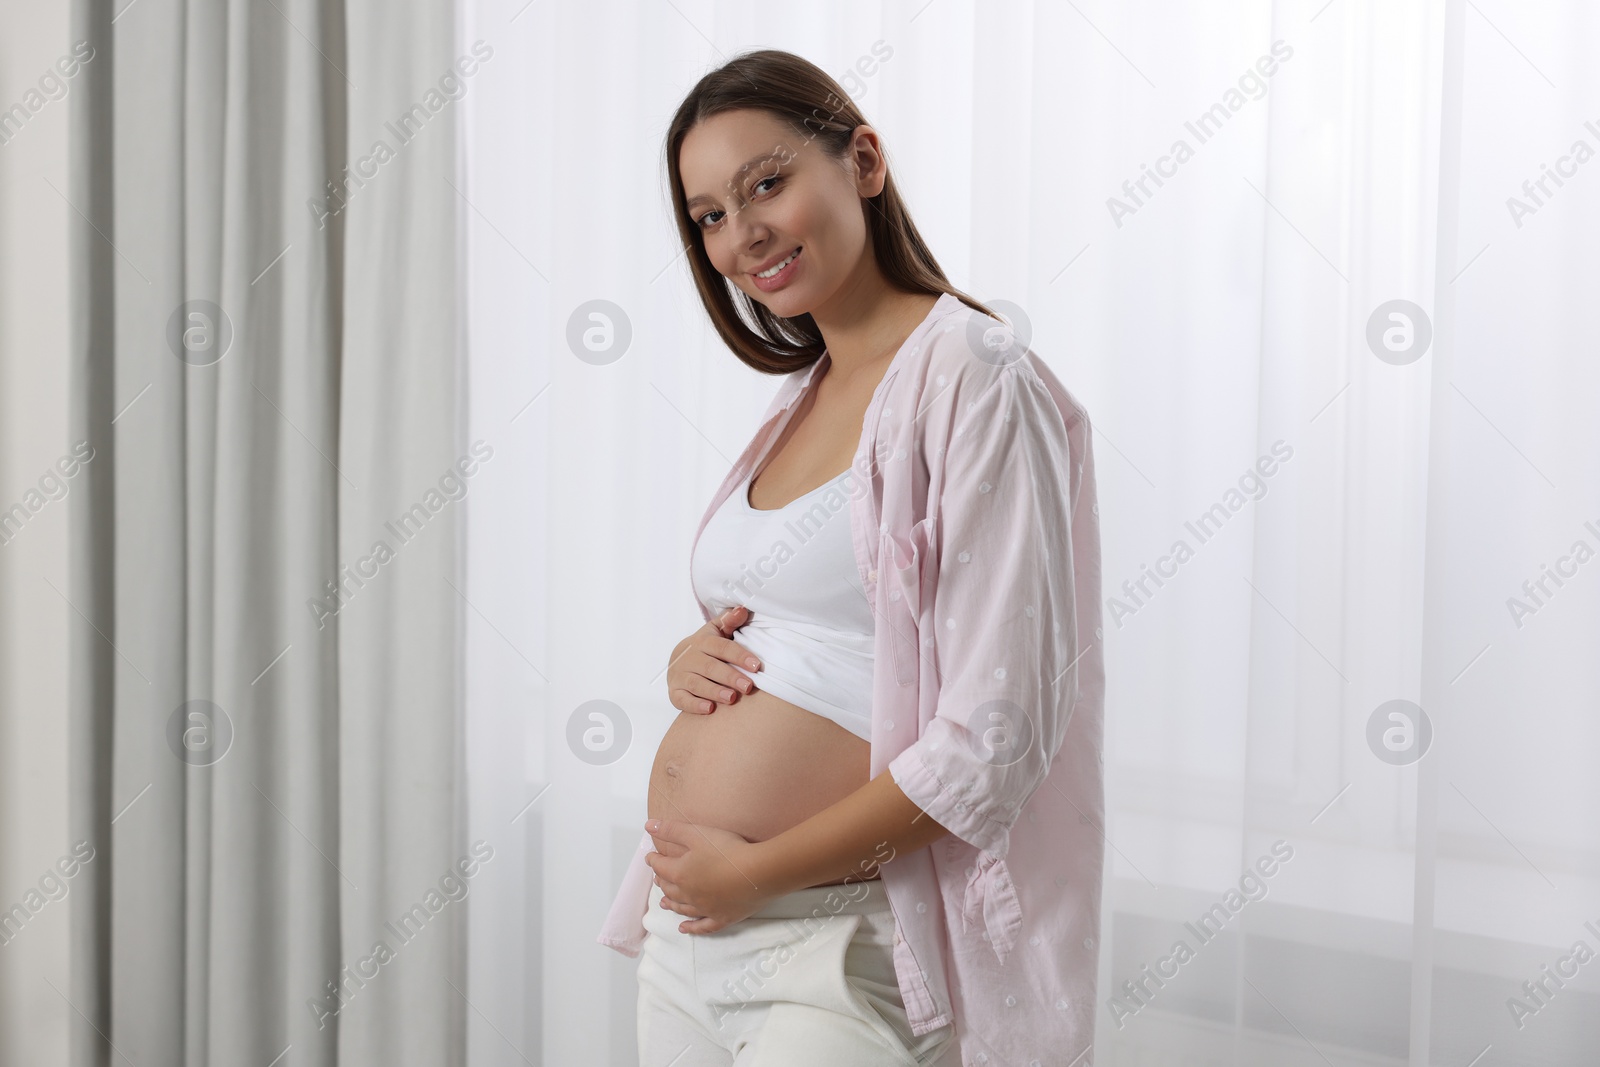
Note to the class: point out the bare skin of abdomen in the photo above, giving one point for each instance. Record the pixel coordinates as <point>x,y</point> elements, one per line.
<point>756,767</point>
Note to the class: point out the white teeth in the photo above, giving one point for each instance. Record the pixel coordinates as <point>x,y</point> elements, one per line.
<point>770,271</point>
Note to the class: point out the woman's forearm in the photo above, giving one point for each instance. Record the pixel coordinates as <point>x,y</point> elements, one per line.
<point>852,836</point>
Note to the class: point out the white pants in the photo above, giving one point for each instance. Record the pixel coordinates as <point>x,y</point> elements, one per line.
<point>806,981</point>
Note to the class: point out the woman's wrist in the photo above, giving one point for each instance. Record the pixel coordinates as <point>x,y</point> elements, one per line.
<point>851,838</point>
<point>773,867</point>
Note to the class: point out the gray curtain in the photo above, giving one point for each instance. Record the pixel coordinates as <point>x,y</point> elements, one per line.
<point>264,713</point>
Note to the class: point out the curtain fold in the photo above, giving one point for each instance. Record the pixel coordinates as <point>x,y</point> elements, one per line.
<point>265,706</point>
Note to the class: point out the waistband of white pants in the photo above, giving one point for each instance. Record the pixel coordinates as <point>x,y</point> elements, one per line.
<point>851,898</point>
<point>857,897</point>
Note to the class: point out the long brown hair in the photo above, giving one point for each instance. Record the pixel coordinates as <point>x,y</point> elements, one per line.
<point>809,101</point>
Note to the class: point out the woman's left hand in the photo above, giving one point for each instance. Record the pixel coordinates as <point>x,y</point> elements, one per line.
<point>705,873</point>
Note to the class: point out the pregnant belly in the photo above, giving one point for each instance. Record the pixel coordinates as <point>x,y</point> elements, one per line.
<point>755,767</point>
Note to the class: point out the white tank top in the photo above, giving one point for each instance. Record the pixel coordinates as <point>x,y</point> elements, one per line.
<point>794,568</point>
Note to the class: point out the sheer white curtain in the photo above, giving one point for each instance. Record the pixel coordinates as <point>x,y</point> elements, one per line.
<point>1320,508</point>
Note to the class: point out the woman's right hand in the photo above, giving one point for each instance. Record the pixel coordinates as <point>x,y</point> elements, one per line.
<point>701,674</point>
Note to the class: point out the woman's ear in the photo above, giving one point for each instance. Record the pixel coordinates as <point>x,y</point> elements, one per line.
<point>866,157</point>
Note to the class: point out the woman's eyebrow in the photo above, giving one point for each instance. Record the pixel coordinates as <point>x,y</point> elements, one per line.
<point>743,168</point>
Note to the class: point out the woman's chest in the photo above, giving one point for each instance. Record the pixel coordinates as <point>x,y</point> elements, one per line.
<point>817,443</point>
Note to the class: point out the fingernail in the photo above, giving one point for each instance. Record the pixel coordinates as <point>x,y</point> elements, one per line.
<point>754,665</point>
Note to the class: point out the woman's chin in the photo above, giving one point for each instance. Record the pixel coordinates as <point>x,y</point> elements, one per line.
<point>784,304</point>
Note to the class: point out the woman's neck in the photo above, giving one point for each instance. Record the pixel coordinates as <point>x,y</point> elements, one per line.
<point>867,326</point>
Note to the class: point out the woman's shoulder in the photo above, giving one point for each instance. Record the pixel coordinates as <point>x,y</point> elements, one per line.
<point>969,356</point>
<point>967,353</point>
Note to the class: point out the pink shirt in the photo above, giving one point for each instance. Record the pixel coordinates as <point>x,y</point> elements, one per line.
<point>988,684</point>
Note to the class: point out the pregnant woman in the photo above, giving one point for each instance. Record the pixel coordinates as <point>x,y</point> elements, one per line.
<point>874,828</point>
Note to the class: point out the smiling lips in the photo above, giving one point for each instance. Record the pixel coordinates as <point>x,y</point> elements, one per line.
<point>776,274</point>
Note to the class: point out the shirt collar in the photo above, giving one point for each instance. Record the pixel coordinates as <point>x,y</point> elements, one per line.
<point>802,381</point>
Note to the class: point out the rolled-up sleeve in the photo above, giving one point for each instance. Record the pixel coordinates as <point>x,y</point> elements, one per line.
<point>1002,616</point>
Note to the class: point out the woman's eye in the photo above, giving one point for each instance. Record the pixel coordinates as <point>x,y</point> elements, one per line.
<point>708,218</point>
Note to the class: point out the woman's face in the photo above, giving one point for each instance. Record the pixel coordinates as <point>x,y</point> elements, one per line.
<point>760,195</point>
